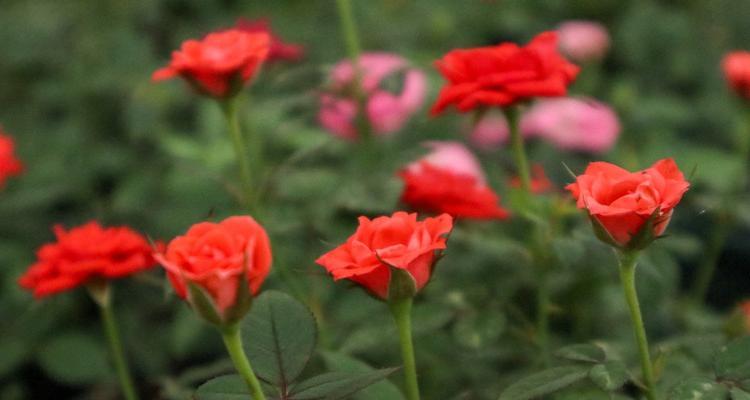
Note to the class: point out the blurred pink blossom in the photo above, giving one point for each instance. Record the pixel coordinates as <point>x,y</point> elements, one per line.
<point>452,156</point>
<point>387,112</point>
<point>573,124</point>
<point>569,123</point>
<point>583,41</point>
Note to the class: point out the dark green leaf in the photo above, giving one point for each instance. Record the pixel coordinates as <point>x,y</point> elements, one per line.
<point>544,382</point>
<point>698,389</point>
<point>337,385</point>
<point>609,376</point>
<point>380,390</point>
<point>74,358</point>
<point>227,387</point>
<point>739,394</point>
<point>733,360</point>
<point>279,337</point>
<point>582,352</point>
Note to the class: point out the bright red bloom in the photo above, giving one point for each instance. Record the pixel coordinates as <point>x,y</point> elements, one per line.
<point>85,253</point>
<point>220,64</point>
<point>622,201</point>
<point>398,241</point>
<point>433,189</point>
<point>503,75</point>
<point>279,51</point>
<point>9,164</point>
<point>215,256</point>
<point>539,181</point>
<point>736,66</point>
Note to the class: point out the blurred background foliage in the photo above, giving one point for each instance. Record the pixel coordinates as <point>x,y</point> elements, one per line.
<point>101,141</point>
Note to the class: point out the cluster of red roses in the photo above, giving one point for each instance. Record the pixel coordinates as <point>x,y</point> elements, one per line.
<point>227,262</point>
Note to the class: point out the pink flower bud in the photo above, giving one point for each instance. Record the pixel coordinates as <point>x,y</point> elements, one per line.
<point>583,41</point>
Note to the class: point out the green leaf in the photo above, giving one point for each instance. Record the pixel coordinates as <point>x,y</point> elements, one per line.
<point>279,337</point>
<point>14,352</point>
<point>227,387</point>
<point>739,394</point>
<point>337,385</point>
<point>544,382</point>
<point>582,352</point>
<point>380,390</point>
<point>74,358</point>
<point>733,361</point>
<point>698,389</point>
<point>609,376</point>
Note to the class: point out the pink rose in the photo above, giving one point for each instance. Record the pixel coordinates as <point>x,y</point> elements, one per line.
<point>387,112</point>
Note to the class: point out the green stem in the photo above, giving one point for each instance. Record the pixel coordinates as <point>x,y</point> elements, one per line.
<point>519,151</point>
<point>353,50</point>
<point>628,261</point>
<point>707,267</point>
<point>233,343</point>
<point>542,316</point>
<point>401,310</point>
<point>230,109</point>
<point>115,346</point>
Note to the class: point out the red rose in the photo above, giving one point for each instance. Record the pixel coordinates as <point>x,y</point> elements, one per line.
<point>450,180</point>
<point>219,258</point>
<point>219,64</point>
<point>398,241</point>
<point>503,75</point>
<point>279,51</point>
<point>622,202</point>
<point>84,253</point>
<point>438,190</point>
<point>9,164</point>
<point>736,66</point>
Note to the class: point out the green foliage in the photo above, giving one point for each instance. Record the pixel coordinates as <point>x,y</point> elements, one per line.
<point>100,141</point>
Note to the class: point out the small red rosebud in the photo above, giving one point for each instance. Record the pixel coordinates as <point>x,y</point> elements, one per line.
<point>9,164</point>
<point>629,209</point>
<point>736,66</point>
<point>86,253</point>
<point>539,181</point>
<point>219,267</point>
<point>391,257</point>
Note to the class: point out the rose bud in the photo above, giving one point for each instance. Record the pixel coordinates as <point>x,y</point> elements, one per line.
<point>86,254</point>
<point>220,64</point>
<point>540,183</point>
<point>9,164</point>
<point>219,267</point>
<point>503,75</point>
<point>386,111</point>
<point>736,66</point>
<point>629,209</point>
<point>278,50</point>
<point>450,180</point>
<point>583,41</point>
<point>738,323</point>
<point>390,257</point>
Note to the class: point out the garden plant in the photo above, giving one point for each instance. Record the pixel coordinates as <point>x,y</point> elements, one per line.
<point>375,200</point>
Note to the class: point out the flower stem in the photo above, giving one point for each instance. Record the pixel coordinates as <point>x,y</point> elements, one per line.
<point>229,107</point>
<point>401,310</point>
<point>353,49</point>
<point>628,261</point>
<point>233,343</point>
<point>115,346</point>
<point>519,151</point>
<point>542,317</point>
<point>707,267</point>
